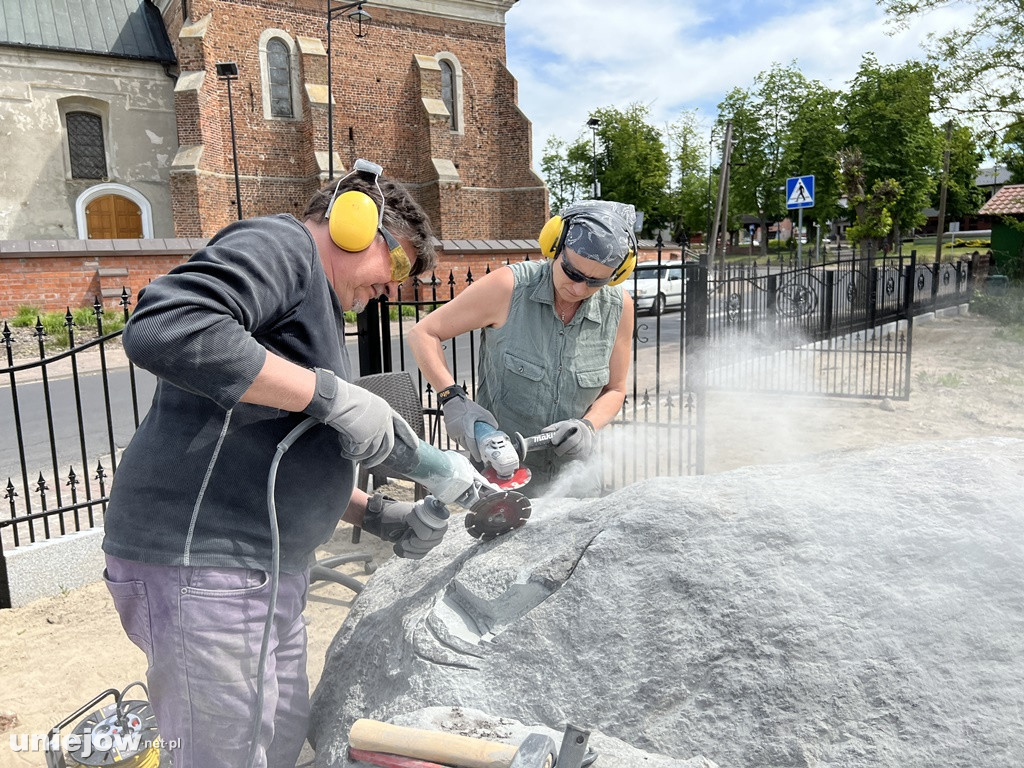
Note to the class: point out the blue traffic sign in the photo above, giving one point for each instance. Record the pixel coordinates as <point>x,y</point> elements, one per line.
<point>799,192</point>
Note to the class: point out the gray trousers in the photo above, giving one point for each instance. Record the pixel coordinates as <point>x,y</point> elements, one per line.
<point>201,630</point>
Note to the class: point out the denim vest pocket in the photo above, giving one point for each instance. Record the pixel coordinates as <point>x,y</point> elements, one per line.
<point>523,367</point>
<point>597,377</point>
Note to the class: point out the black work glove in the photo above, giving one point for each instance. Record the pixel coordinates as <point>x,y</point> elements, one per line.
<point>367,424</point>
<point>573,438</point>
<point>460,417</point>
<point>414,528</point>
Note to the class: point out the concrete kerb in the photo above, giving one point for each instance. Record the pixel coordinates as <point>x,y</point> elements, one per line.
<point>53,566</point>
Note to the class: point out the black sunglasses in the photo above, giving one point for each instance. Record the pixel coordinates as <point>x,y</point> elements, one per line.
<point>578,277</point>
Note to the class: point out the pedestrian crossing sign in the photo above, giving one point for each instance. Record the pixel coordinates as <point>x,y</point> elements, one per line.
<point>799,192</point>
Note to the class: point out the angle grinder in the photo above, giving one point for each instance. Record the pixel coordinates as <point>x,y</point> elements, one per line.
<point>501,456</point>
<point>451,477</point>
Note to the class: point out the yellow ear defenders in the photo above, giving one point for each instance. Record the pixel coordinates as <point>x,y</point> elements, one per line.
<point>552,239</point>
<point>354,220</point>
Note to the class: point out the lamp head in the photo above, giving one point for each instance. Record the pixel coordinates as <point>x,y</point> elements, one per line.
<point>227,69</point>
<point>361,19</point>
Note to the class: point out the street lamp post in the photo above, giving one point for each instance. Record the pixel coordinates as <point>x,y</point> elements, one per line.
<point>360,17</point>
<point>593,123</point>
<point>228,71</point>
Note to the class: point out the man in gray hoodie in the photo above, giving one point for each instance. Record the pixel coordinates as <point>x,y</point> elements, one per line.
<point>247,340</point>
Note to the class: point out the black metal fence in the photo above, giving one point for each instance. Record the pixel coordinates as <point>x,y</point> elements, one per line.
<point>842,328</point>
<point>66,421</point>
<point>655,432</point>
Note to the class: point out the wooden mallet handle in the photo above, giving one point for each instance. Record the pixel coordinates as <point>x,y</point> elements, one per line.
<point>436,746</point>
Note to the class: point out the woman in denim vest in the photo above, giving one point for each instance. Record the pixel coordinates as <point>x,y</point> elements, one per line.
<point>555,347</point>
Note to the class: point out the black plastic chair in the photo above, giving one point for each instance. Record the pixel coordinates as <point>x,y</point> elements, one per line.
<point>401,393</point>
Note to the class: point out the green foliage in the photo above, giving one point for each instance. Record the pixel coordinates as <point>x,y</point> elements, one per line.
<point>963,196</point>
<point>1011,151</point>
<point>1007,309</point>
<point>350,318</point>
<point>633,166</point>
<point>888,119</point>
<point>784,125</point>
<point>567,169</point>
<point>25,317</point>
<point>812,147</point>
<point>873,219</point>
<point>687,204</point>
<point>55,324</point>
<point>978,59</point>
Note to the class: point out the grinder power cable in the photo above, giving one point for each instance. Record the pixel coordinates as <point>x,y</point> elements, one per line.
<point>448,475</point>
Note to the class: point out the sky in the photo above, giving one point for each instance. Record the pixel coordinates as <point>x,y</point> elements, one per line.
<point>573,56</point>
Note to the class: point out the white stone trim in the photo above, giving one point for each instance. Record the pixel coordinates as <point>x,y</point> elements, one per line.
<point>293,57</point>
<point>111,188</point>
<point>485,11</point>
<point>460,111</point>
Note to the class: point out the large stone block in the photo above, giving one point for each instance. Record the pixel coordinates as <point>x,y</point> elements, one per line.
<point>859,609</point>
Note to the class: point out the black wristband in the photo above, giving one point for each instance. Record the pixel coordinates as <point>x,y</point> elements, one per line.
<point>323,394</point>
<point>454,390</point>
<point>587,422</point>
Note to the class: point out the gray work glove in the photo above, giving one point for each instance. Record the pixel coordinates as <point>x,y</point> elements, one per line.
<point>367,424</point>
<point>460,417</point>
<point>414,529</point>
<point>573,438</point>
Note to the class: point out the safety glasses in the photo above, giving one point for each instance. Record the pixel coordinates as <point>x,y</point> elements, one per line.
<point>401,267</point>
<point>578,277</point>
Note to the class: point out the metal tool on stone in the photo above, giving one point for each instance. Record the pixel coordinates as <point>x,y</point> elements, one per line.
<point>573,752</point>
<point>122,733</point>
<point>536,751</point>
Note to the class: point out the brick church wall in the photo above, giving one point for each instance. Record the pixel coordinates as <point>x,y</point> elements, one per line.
<point>379,92</point>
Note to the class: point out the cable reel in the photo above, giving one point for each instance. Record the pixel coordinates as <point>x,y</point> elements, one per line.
<point>122,733</point>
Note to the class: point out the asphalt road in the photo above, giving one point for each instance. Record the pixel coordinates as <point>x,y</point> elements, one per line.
<point>35,421</point>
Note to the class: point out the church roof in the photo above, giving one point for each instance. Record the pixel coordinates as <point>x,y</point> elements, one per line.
<point>128,29</point>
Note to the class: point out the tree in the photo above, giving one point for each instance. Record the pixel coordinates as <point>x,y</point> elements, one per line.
<point>761,121</point>
<point>567,170</point>
<point>633,166</point>
<point>888,119</point>
<point>873,219</point>
<point>963,196</point>
<point>815,138</point>
<point>980,59</point>
<point>1011,152</point>
<point>687,205</point>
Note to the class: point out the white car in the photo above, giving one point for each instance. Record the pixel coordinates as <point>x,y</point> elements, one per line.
<point>655,287</point>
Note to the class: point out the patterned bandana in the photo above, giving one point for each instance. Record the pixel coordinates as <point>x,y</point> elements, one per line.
<point>601,230</point>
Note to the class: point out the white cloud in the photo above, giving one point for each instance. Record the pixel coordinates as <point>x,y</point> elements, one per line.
<point>573,56</point>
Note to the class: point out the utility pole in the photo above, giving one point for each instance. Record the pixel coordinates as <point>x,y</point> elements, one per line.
<point>723,187</point>
<point>941,225</point>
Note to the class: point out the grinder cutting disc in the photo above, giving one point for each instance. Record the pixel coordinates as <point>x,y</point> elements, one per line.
<point>519,478</point>
<point>497,514</point>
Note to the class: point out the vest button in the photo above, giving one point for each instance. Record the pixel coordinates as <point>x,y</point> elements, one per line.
<point>520,369</point>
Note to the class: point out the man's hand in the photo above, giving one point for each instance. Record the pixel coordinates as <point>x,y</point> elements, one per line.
<point>573,438</point>
<point>460,417</point>
<point>414,528</point>
<point>367,424</point>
